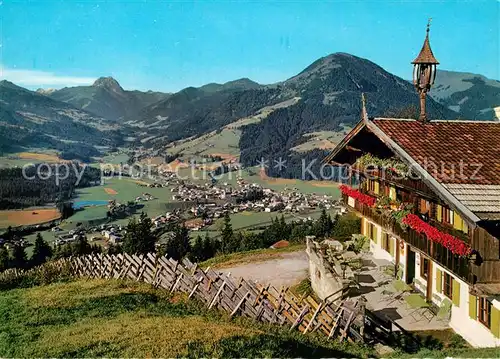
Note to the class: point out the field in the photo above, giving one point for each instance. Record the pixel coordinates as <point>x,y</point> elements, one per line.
<point>252,175</point>
<point>224,143</point>
<point>322,139</point>
<point>243,220</point>
<point>27,217</point>
<point>122,190</point>
<point>40,157</point>
<point>99,318</point>
<point>115,158</point>
<point>23,158</point>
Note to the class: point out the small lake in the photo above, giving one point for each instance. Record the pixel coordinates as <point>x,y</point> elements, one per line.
<point>81,204</point>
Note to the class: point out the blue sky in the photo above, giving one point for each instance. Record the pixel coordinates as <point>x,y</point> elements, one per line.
<point>167,46</point>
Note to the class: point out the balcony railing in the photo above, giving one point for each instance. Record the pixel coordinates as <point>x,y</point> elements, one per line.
<point>441,226</point>
<point>458,265</point>
<point>387,176</point>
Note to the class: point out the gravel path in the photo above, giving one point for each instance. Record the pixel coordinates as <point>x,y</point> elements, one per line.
<point>287,270</point>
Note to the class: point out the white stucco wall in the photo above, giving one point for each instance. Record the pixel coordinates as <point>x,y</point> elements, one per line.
<point>420,282</point>
<point>471,330</point>
<point>375,248</point>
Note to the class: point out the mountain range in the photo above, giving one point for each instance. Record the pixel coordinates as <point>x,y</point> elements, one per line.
<point>106,98</point>
<point>474,96</point>
<point>30,119</point>
<point>328,96</point>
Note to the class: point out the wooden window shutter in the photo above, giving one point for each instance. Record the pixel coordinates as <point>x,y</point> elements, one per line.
<point>377,187</point>
<point>375,234</point>
<point>495,321</point>
<point>455,295</point>
<point>363,232</point>
<point>439,281</point>
<point>465,227</point>
<point>439,213</point>
<point>392,193</point>
<point>391,245</point>
<point>457,221</point>
<point>473,306</point>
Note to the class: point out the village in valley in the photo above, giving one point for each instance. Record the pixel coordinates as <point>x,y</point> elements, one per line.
<point>197,206</point>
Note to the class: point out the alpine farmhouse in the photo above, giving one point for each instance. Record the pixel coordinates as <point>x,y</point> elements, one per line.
<point>428,194</point>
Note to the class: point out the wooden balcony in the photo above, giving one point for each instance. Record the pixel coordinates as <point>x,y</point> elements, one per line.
<point>411,185</point>
<point>461,267</point>
<point>467,238</point>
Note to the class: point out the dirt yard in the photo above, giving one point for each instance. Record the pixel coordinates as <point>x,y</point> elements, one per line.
<point>286,270</point>
<point>263,176</point>
<point>28,216</point>
<point>110,191</point>
<point>45,157</point>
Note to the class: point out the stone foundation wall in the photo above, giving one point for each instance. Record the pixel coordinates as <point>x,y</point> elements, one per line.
<point>324,278</point>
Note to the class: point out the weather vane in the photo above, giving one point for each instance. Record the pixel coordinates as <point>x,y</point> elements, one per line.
<point>429,24</point>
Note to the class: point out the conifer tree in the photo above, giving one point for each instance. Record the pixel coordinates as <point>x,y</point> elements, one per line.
<point>209,249</point>
<point>41,252</point>
<point>197,254</point>
<point>226,234</point>
<point>19,257</point>
<point>139,238</point>
<point>4,258</point>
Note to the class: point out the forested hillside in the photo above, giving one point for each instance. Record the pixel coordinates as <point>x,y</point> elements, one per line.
<point>34,120</point>
<point>193,111</point>
<point>473,95</point>
<point>331,95</point>
<point>40,185</point>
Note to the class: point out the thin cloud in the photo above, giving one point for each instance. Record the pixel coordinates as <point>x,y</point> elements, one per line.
<point>41,78</point>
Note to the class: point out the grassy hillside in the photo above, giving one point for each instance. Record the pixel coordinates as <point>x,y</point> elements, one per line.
<point>117,319</point>
<point>94,318</point>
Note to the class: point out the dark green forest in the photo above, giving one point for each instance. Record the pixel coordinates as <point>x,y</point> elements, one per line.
<point>40,185</point>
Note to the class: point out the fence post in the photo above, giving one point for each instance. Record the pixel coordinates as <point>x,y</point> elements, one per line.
<point>362,310</point>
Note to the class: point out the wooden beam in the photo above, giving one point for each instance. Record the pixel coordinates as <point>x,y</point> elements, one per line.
<point>217,295</point>
<point>345,331</point>
<point>352,149</point>
<point>195,287</point>
<point>320,306</point>
<point>239,304</point>
<point>176,282</point>
<point>300,317</point>
<point>336,323</point>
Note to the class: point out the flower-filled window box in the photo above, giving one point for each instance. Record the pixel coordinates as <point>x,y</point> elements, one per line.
<point>454,244</point>
<point>358,196</point>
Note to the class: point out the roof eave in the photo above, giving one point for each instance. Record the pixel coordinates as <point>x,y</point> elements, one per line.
<point>359,126</point>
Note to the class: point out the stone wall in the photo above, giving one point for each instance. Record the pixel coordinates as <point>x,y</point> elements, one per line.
<point>325,278</point>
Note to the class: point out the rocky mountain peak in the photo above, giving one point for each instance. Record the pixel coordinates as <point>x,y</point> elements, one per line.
<point>108,83</point>
<point>45,91</point>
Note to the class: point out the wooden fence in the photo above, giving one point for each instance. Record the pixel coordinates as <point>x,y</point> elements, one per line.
<point>334,317</point>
